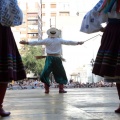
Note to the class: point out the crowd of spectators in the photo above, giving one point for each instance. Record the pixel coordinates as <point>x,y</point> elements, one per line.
<point>26,84</point>
<point>34,84</point>
<point>90,85</point>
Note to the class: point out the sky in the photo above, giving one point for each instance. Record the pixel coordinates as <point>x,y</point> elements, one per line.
<point>77,56</point>
<point>85,5</point>
<point>81,5</point>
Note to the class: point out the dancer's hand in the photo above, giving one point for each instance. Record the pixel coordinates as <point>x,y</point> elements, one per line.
<point>102,29</point>
<point>23,42</point>
<point>80,43</point>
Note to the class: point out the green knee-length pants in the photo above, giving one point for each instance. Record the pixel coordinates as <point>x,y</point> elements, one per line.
<point>53,64</point>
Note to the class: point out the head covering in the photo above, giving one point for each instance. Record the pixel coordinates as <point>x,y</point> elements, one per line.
<point>53,32</point>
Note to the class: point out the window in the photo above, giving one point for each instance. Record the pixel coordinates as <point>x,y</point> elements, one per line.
<point>64,14</point>
<point>43,5</point>
<point>53,14</point>
<point>53,5</point>
<point>43,14</point>
<point>32,35</point>
<point>32,16</point>
<point>32,22</point>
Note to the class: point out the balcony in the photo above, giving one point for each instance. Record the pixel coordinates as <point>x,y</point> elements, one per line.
<point>32,37</point>
<point>32,18</point>
<point>32,31</point>
<point>32,22</point>
<point>23,38</point>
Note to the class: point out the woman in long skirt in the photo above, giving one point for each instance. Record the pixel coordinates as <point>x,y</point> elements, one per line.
<point>107,63</point>
<point>11,66</point>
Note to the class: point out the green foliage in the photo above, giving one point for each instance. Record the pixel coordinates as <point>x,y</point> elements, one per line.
<point>29,60</point>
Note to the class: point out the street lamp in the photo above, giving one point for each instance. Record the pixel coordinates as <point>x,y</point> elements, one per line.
<point>50,23</point>
<point>41,18</point>
<point>92,63</point>
<point>78,77</point>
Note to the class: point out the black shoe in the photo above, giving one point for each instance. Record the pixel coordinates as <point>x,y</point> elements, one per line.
<point>62,91</point>
<point>46,92</point>
<point>117,110</point>
<point>3,113</point>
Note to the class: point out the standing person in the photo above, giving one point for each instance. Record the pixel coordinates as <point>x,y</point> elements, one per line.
<point>11,66</point>
<point>53,61</point>
<point>107,63</point>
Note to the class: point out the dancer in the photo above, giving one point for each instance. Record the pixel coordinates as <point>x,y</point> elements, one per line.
<point>11,64</point>
<point>107,63</point>
<point>53,61</point>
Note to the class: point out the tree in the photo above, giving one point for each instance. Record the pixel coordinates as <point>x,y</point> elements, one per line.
<point>29,60</point>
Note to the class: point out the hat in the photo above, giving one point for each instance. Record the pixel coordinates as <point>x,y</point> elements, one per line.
<point>53,32</point>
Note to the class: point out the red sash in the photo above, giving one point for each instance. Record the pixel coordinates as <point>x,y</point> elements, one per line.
<point>118,6</point>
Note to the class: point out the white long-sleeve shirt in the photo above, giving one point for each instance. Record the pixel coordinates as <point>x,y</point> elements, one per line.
<point>93,19</point>
<point>53,45</point>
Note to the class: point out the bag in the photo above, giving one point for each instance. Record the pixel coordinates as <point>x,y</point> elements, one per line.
<point>10,13</point>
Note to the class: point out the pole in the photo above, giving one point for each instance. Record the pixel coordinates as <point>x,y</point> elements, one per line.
<point>92,63</point>
<point>41,18</point>
<point>55,21</point>
<point>50,22</point>
<point>92,38</point>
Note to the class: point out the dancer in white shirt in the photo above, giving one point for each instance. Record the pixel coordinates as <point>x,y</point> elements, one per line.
<point>53,61</point>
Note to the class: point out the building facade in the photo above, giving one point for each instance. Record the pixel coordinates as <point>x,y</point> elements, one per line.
<point>66,15</point>
<point>31,28</point>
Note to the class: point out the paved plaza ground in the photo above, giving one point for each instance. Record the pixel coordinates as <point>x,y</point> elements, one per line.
<point>77,104</point>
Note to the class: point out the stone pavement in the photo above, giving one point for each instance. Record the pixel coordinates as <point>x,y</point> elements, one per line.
<point>77,104</point>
